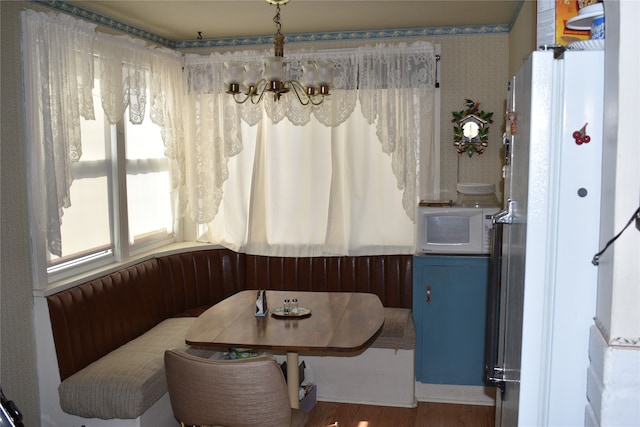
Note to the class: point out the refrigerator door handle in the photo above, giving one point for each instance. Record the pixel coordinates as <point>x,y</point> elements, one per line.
<point>506,216</point>
<point>493,372</point>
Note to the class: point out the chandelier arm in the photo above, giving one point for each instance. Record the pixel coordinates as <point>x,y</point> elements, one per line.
<point>311,99</point>
<point>321,100</point>
<point>239,100</point>
<point>297,88</point>
<point>259,93</point>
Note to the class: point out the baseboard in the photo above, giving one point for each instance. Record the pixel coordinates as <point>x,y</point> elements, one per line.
<point>462,394</point>
<point>357,401</point>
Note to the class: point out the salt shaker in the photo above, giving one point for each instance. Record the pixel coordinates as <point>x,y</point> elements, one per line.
<point>294,306</point>
<point>287,306</point>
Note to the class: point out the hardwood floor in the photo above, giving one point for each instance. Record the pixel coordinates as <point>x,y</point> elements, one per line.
<point>426,414</point>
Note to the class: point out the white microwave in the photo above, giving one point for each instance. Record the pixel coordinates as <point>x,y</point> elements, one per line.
<point>454,230</point>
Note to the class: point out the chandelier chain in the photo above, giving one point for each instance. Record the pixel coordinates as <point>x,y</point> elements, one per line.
<point>276,19</point>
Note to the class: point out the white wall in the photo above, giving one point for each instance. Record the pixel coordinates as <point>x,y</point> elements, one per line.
<point>18,375</point>
<point>614,375</point>
<point>619,280</point>
<point>522,38</point>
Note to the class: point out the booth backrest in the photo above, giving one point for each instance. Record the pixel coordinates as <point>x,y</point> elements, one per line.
<point>388,276</point>
<point>92,319</point>
<point>194,281</point>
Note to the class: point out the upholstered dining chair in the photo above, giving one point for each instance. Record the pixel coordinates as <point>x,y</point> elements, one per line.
<point>231,393</point>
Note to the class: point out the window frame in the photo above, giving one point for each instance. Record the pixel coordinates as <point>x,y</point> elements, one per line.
<point>120,249</point>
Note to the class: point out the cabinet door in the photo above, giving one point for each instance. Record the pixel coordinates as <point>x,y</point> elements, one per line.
<point>450,298</point>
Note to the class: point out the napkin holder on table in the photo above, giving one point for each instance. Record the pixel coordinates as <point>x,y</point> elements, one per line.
<point>261,303</point>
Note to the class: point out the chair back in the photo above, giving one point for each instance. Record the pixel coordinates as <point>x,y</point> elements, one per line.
<point>231,393</point>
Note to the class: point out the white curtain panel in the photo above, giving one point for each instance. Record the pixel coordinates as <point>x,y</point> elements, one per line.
<point>58,67</point>
<point>167,105</point>
<point>312,191</point>
<point>324,181</point>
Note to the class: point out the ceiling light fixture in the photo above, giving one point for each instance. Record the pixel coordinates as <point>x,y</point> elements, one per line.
<point>251,81</point>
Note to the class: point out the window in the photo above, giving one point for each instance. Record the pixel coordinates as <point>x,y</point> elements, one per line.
<point>148,184</point>
<point>101,189</point>
<point>120,196</point>
<point>86,231</point>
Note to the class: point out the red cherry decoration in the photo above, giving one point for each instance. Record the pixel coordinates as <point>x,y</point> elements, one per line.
<point>581,136</point>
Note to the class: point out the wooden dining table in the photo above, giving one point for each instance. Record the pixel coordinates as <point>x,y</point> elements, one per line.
<point>337,322</point>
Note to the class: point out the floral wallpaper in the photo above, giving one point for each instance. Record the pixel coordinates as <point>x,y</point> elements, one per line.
<point>472,67</point>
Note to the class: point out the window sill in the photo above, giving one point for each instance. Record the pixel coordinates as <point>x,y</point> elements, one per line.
<point>72,281</point>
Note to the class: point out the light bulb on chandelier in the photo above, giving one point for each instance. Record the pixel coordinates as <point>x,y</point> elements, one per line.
<point>251,81</point>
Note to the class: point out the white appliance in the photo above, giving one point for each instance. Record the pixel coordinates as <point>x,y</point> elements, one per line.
<point>543,286</point>
<point>454,229</point>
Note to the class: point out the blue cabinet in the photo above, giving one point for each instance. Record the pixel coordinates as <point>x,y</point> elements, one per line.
<point>449,311</point>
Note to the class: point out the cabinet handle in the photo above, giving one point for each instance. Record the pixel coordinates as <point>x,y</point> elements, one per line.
<point>428,293</point>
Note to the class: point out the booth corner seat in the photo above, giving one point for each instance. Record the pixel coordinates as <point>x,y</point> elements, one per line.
<point>110,333</point>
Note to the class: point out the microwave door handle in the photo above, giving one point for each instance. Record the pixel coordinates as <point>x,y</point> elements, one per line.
<point>492,368</point>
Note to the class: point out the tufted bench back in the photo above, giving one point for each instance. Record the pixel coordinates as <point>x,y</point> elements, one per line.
<point>94,318</point>
<point>194,281</point>
<point>90,320</point>
<point>388,276</point>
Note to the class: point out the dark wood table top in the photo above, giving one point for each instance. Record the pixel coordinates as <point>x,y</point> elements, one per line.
<point>339,321</point>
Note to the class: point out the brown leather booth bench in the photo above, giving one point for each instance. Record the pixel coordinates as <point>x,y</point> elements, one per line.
<point>91,320</point>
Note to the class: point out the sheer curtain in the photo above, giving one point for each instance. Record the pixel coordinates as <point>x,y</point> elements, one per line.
<point>62,56</point>
<point>128,70</point>
<point>58,66</point>
<point>316,183</point>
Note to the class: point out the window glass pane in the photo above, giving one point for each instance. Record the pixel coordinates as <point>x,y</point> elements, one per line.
<point>86,224</point>
<point>148,184</point>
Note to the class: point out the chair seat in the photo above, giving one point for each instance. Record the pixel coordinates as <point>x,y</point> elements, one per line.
<point>231,393</point>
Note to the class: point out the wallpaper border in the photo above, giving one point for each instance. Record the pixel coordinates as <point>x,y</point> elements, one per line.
<point>96,18</point>
<point>116,25</point>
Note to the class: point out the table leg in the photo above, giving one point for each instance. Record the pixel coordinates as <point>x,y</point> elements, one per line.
<point>293,379</point>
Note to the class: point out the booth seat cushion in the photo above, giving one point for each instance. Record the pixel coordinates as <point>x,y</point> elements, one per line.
<point>398,331</point>
<point>395,322</point>
<point>128,380</point>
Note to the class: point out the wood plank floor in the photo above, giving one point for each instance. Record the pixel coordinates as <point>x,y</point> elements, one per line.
<point>426,414</point>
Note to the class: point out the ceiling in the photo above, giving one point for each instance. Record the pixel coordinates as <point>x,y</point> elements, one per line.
<point>180,20</point>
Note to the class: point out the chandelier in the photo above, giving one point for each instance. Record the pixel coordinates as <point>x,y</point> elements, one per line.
<point>252,81</point>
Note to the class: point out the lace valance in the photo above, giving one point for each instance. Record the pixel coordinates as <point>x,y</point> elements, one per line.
<point>358,73</point>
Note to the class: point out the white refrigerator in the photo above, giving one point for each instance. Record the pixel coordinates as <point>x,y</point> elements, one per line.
<point>543,285</point>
